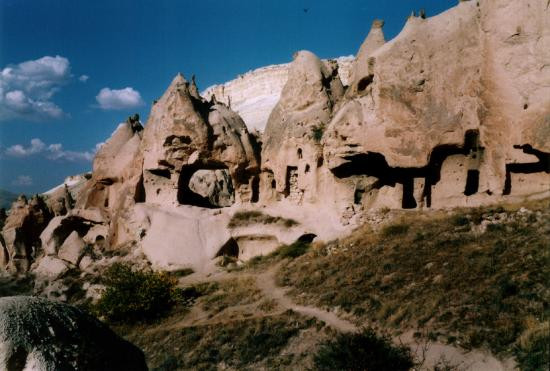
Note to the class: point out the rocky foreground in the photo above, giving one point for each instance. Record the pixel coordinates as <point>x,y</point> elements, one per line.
<point>453,112</point>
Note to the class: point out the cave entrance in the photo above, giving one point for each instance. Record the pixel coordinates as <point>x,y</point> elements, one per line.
<point>291,180</point>
<point>186,196</point>
<point>375,164</point>
<point>542,165</point>
<point>255,189</point>
<point>472,182</point>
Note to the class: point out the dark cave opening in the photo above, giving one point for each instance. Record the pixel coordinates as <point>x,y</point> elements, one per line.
<point>365,82</point>
<point>290,172</point>
<point>230,248</point>
<point>255,189</point>
<point>185,195</point>
<point>542,165</point>
<point>375,164</point>
<point>472,182</point>
<point>139,195</point>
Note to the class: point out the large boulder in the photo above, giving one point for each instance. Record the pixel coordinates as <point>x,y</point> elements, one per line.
<point>36,334</point>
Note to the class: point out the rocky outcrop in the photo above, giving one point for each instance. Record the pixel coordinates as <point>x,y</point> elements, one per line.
<point>454,111</point>
<point>186,134</point>
<point>291,153</point>
<point>21,233</point>
<point>446,113</point>
<point>254,94</point>
<point>36,334</point>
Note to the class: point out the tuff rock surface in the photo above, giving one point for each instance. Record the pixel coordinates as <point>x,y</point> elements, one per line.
<point>454,111</point>
<point>254,94</point>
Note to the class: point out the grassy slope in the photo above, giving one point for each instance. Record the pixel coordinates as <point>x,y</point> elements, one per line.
<point>435,273</point>
<point>440,276</point>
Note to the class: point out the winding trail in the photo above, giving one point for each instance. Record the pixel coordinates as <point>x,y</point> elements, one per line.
<point>266,283</point>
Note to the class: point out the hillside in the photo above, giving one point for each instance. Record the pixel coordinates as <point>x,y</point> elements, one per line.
<point>456,287</point>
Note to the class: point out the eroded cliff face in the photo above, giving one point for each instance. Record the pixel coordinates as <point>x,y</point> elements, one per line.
<point>448,110</point>
<point>454,111</point>
<point>254,94</point>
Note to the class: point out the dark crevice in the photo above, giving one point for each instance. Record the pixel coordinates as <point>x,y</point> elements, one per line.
<point>375,164</point>
<point>358,196</point>
<point>365,82</point>
<point>472,183</point>
<point>307,238</point>
<point>165,173</point>
<point>255,189</point>
<point>230,248</point>
<point>139,195</point>
<point>289,171</point>
<point>542,165</point>
<point>408,201</point>
<point>177,140</point>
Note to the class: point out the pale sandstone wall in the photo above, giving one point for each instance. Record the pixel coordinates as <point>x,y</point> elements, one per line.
<point>254,94</point>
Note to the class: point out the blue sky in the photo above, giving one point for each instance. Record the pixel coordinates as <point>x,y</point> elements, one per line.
<point>70,71</point>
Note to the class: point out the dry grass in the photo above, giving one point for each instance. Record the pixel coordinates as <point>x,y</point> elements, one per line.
<point>254,343</point>
<point>229,293</point>
<point>438,275</point>
<point>245,218</point>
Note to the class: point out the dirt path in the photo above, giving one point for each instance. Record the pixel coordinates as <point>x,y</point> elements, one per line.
<point>266,283</point>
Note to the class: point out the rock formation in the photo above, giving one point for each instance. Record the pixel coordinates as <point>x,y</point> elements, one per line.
<point>291,153</point>
<point>454,111</point>
<point>21,233</point>
<point>36,334</point>
<point>186,134</point>
<point>254,94</point>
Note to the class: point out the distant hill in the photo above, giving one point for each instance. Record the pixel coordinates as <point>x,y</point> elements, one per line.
<point>6,198</point>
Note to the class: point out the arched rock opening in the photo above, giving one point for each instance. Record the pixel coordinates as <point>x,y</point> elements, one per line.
<point>208,186</point>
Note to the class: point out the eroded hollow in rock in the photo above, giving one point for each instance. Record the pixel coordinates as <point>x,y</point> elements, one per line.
<point>375,164</point>
<point>472,182</point>
<point>364,83</point>
<point>208,186</point>
<point>255,189</point>
<point>306,238</point>
<point>542,165</point>
<point>230,248</point>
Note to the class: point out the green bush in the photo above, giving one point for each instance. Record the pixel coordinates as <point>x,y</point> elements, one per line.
<point>317,132</point>
<point>293,250</point>
<point>363,351</point>
<point>533,350</point>
<point>132,295</point>
<point>395,229</point>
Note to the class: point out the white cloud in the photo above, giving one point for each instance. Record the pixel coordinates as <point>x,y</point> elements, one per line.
<point>53,151</point>
<point>26,89</point>
<point>22,180</point>
<point>113,99</point>
<point>83,78</point>
<point>18,150</point>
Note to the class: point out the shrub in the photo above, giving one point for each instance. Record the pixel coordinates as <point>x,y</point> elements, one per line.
<point>317,132</point>
<point>244,218</point>
<point>132,296</point>
<point>363,351</point>
<point>293,250</point>
<point>395,229</point>
<point>460,220</point>
<point>533,352</point>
